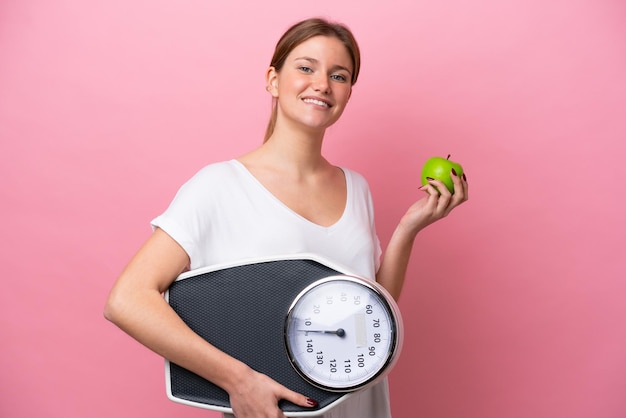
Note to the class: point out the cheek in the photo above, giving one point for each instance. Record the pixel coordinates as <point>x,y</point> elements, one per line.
<point>292,84</point>
<point>344,95</point>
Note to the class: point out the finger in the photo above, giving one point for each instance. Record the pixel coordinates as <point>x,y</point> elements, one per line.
<point>431,190</point>
<point>298,399</point>
<point>433,196</point>
<point>462,189</point>
<point>457,181</point>
<point>460,192</point>
<point>444,196</point>
<point>465,187</point>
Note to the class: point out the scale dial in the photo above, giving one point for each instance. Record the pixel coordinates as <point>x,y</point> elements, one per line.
<point>343,333</point>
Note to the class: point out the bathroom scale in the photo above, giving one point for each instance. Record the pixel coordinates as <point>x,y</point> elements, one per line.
<point>308,324</point>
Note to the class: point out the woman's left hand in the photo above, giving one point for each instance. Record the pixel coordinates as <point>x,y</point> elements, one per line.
<point>422,213</point>
<point>437,205</point>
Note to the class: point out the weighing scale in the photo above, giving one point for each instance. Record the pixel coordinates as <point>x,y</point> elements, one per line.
<point>306,323</point>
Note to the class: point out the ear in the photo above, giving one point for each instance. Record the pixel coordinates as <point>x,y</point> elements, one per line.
<point>271,81</point>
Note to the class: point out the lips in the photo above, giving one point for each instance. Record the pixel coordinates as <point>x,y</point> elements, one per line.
<point>317,102</point>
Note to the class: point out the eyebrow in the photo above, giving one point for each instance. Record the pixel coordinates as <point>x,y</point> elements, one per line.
<point>315,61</point>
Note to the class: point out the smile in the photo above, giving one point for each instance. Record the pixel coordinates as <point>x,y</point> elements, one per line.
<point>317,102</point>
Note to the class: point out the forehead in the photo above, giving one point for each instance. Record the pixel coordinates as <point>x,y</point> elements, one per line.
<point>323,48</point>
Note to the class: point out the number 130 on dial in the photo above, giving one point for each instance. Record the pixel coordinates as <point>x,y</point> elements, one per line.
<point>343,333</point>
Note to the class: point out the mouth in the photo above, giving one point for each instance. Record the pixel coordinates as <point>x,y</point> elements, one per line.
<point>317,102</point>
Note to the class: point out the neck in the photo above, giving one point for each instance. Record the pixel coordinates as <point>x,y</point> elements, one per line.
<point>302,150</point>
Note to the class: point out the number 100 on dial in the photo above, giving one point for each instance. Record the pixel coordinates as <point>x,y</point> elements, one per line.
<point>343,333</point>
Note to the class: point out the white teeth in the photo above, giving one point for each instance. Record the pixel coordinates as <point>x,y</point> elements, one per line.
<point>317,102</point>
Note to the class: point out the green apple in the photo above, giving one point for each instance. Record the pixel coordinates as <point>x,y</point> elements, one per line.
<point>440,169</point>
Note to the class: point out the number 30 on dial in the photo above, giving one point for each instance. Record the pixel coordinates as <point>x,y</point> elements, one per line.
<point>343,333</point>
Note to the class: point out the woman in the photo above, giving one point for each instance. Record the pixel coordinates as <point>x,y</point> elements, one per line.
<point>281,198</point>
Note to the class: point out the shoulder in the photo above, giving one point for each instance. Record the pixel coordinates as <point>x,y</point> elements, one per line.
<point>213,173</point>
<point>211,180</point>
<point>218,168</point>
<point>356,179</point>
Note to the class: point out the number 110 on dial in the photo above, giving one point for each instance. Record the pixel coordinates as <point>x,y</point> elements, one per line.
<point>343,333</point>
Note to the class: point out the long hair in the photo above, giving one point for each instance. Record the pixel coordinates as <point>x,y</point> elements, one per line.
<point>303,31</point>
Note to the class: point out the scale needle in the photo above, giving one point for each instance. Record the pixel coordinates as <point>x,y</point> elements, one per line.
<point>339,332</point>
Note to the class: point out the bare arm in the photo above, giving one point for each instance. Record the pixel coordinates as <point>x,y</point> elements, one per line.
<point>422,213</point>
<point>137,306</point>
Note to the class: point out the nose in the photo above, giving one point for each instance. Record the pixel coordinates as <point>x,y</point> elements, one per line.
<point>321,84</point>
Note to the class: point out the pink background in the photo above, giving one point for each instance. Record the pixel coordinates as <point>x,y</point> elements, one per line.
<point>515,306</point>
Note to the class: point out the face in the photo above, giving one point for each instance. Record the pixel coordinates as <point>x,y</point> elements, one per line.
<point>314,85</point>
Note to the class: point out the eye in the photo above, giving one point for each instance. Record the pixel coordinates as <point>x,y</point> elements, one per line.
<point>305,69</point>
<point>339,77</point>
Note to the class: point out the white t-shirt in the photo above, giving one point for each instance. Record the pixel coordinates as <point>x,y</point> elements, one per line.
<point>223,214</point>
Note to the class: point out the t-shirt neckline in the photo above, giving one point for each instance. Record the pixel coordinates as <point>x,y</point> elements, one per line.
<point>242,168</point>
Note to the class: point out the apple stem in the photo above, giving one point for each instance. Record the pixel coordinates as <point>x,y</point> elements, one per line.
<point>448,157</point>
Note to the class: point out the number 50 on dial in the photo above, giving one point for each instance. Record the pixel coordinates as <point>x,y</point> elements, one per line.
<point>343,333</point>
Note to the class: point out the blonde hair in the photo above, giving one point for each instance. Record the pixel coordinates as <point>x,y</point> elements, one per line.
<point>303,31</point>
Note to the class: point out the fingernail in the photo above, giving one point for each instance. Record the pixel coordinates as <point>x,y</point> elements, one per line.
<point>311,402</point>
<point>454,171</point>
<point>464,177</point>
<point>429,178</point>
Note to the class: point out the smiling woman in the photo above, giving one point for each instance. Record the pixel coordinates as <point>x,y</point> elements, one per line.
<point>305,30</point>
<point>312,87</point>
<point>280,199</point>
<point>513,306</point>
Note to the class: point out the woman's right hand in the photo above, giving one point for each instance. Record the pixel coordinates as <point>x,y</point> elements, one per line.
<point>257,396</point>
